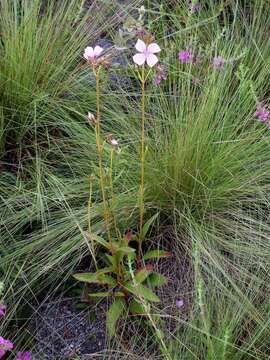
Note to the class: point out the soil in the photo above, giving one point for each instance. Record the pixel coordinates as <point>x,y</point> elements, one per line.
<point>179,272</point>
<point>63,332</point>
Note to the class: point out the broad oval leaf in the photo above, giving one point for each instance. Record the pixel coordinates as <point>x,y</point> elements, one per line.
<point>137,308</point>
<point>157,280</point>
<point>95,278</point>
<point>113,315</point>
<point>87,277</point>
<point>142,291</point>
<point>143,273</point>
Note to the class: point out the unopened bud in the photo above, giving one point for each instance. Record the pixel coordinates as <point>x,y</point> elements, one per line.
<point>91,118</point>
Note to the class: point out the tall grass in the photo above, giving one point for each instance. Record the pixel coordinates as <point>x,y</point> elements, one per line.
<point>206,167</point>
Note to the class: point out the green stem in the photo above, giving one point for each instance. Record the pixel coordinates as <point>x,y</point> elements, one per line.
<point>112,192</point>
<point>142,156</point>
<point>100,151</point>
<point>89,220</point>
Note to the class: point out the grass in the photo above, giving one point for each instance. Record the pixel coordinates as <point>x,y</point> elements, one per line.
<point>207,166</point>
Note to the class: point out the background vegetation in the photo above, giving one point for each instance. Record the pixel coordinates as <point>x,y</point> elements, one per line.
<point>207,163</point>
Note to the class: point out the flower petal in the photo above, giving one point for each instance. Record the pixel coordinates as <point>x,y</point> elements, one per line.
<point>88,53</point>
<point>153,48</point>
<point>98,50</point>
<point>179,303</point>
<point>139,58</point>
<point>151,60</point>
<point>8,345</point>
<point>140,46</point>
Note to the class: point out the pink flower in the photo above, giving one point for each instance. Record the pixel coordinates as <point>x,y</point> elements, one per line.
<point>146,53</point>
<point>24,355</point>
<point>2,353</point>
<point>3,310</point>
<point>218,62</point>
<point>261,113</point>
<point>112,141</point>
<point>91,54</point>
<point>179,303</point>
<point>186,56</point>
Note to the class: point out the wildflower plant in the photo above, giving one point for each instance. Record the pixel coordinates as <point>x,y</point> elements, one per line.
<point>127,276</point>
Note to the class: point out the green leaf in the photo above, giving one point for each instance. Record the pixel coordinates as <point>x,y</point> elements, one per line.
<point>107,294</point>
<point>152,254</point>
<point>147,225</point>
<point>126,250</point>
<point>137,308</point>
<point>107,280</point>
<point>101,294</point>
<point>144,292</point>
<point>99,240</point>
<point>143,273</point>
<point>87,277</point>
<point>157,280</point>
<point>95,278</point>
<point>114,313</point>
<point>112,260</point>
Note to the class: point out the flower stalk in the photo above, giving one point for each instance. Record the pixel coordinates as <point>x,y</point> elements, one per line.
<point>100,155</point>
<point>142,158</point>
<point>89,220</point>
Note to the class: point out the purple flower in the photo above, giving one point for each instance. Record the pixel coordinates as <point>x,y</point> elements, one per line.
<point>194,7</point>
<point>24,355</point>
<point>4,346</point>
<point>218,62</point>
<point>186,56</point>
<point>3,310</point>
<point>261,113</point>
<point>179,303</point>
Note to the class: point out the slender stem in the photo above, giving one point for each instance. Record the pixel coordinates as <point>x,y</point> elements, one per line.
<point>89,220</point>
<point>142,156</point>
<point>117,232</point>
<point>112,192</point>
<point>100,151</point>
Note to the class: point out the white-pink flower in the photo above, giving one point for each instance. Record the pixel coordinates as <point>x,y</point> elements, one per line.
<point>112,141</point>
<point>146,53</point>
<point>91,54</point>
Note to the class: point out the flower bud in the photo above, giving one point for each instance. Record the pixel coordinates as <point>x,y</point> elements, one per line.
<point>91,118</point>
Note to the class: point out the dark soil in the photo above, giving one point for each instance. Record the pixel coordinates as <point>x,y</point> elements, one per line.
<point>62,332</point>
<point>179,272</point>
